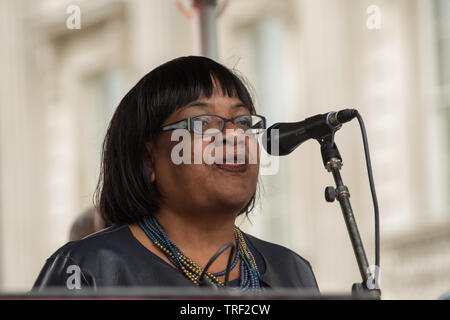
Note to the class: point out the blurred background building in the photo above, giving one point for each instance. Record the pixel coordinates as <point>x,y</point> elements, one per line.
<point>59,87</point>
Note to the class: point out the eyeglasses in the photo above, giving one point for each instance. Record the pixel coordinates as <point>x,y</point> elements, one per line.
<point>249,123</point>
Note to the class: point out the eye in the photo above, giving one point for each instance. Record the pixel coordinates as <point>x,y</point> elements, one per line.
<point>201,120</point>
<point>244,121</point>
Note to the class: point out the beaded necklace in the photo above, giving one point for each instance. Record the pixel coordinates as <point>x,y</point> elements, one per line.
<point>249,271</point>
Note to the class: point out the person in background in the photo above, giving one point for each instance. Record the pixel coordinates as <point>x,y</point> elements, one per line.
<point>88,222</point>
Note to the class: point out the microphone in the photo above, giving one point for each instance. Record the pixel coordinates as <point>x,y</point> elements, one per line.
<point>292,134</point>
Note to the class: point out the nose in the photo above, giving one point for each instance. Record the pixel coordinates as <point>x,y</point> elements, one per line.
<point>229,125</point>
<point>234,142</point>
<point>232,134</point>
<point>232,129</point>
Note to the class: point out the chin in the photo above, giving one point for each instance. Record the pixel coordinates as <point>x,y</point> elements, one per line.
<point>235,199</point>
<point>231,190</point>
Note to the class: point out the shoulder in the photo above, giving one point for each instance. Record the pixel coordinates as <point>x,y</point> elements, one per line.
<point>77,263</point>
<point>275,250</point>
<point>111,238</point>
<point>284,267</point>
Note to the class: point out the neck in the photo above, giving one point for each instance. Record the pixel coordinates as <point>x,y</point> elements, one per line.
<point>199,234</point>
<point>198,238</point>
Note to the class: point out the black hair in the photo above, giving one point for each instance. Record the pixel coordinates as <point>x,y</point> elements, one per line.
<point>124,192</point>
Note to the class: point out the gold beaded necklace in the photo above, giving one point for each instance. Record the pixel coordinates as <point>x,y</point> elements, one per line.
<point>190,268</point>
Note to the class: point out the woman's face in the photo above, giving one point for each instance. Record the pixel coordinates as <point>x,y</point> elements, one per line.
<point>206,187</point>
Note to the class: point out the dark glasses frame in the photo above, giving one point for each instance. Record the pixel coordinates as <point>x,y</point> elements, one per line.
<point>187,123</point>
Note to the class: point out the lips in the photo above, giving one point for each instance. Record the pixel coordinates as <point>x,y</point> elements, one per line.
<point>233,167</point>
<point>231,163</point>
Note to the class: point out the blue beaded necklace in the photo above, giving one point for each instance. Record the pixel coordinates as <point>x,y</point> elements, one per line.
<point>249,271</point>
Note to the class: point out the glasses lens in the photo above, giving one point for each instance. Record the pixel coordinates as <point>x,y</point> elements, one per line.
<point>250,123</point>
<point>204,123</point>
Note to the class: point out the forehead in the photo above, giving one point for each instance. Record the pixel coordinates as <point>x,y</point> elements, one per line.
<point>215,101</point>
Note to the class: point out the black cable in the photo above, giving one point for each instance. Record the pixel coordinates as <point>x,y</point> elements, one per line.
<point>372,190</point>
<point>228,269</point>
<point>201,279</point>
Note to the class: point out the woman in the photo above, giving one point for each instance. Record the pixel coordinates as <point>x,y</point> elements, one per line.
<point>170,217</point>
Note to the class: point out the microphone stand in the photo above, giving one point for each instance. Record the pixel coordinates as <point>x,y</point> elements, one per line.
<point>333,163</point>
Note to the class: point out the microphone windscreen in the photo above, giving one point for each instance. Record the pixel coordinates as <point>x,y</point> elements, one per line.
<point>346,115</point>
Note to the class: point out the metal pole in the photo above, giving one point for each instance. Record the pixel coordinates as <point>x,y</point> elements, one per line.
<point>333,163</point>
<point>343,196</point>
<point>205,33</point>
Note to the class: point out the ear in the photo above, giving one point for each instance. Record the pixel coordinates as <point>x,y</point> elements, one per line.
<point>151,151</point>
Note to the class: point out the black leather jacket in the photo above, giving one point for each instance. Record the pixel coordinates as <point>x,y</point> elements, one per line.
<point>114,257</point>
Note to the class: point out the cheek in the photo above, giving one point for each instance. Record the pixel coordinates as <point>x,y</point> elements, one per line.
<point>169,175</point>
<point>252,151</point>
<point>253,176</point>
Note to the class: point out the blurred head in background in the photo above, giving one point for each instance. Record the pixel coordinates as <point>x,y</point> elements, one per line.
<point>88,222</point>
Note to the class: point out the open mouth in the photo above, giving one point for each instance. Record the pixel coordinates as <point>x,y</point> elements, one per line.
<point>231,163</point>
